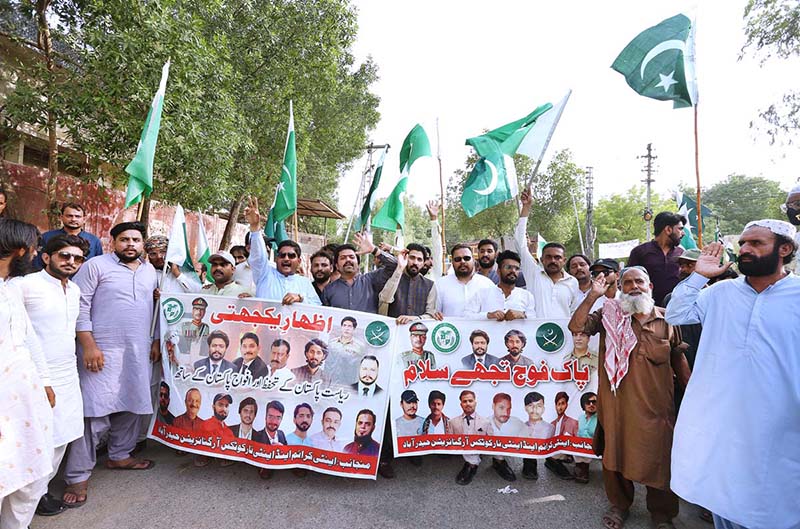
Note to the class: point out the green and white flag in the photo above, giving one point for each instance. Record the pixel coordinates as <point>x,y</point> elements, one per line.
<point>275,230</point>
<point>203,249</point>
<point>688,208</point>
<point>540,243</point>
<point>178,248</point>
<point>140,169</point>
<point>391,216</point>
<point>493,180</point>
<point>660,62</point>
<point>286,193</point>
<point>369,201</point>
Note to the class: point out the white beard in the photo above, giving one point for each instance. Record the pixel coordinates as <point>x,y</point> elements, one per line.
<point>641,304</point>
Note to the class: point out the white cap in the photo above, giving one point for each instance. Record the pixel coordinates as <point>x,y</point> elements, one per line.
<point>778,227</point>
<point>225,255</point>
<point>794,191</point>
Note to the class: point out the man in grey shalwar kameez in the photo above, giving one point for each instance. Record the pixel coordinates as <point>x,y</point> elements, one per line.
<point>114,356</point>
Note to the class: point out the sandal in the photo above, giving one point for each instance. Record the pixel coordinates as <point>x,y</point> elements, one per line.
<point>79,491</point>
<point>614,518</point>
<point>130,464</point>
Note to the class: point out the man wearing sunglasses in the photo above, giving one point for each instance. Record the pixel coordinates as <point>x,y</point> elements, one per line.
<point>465,293</point>
<point>282,283</point>
<point>53,302</point>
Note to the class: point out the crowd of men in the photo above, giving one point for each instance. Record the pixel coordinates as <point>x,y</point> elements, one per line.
<point>82,359</point>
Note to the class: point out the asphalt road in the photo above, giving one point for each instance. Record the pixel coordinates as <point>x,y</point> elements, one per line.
<point>176,494</point>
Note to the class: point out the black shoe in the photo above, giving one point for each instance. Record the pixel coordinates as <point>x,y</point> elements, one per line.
<point>503,469</point>
<point>467,473</point>
<point>50,506</point>
<point>386,470</point>
<point>416,461</point>
<point>558,468</point>
<point>530,469</point>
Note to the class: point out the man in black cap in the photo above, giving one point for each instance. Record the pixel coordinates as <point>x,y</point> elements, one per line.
<point>409,423</point>
<point>419,335</point>
<point>609,267</point>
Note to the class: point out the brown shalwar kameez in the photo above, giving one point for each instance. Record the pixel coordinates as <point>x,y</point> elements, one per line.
<point>638,422</point>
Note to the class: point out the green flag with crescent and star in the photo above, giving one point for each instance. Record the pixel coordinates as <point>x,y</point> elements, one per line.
<point>659,62</point>
<point>369,201</point>
<point>391,216</point>
<point>140,169</point>
<point>286,193</point>
<point>493,179</point>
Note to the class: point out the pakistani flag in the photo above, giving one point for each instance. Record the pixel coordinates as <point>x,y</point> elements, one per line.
<point>369,201</point>
<point>275,230</point>
<point>493,180</point>
<point>540,244</point>
<point>391,216</point>
<point>286,194</point>
<point>659,62</point>
<point>204,249</point>
<point>688,208</point>
<point>141,167</point>
<point>178,248</point>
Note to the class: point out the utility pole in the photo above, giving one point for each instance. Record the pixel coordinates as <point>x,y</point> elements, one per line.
<point>590,230</point>
<point>647,214</point>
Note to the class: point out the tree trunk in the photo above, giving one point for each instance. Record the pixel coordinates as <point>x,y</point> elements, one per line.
<point>46,46</point>
<point>227,235</point>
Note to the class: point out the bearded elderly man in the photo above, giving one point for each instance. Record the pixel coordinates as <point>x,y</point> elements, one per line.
<point>730,456</point>
<point>640,354</point>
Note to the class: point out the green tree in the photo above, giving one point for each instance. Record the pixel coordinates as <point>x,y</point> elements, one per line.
<point>619,216</point>
<point>772,28</point>
<point>235,66</point>
<point>739,199</point>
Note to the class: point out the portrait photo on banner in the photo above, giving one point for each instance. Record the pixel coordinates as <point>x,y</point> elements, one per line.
<point>516,388</point>
<point>275,386</point>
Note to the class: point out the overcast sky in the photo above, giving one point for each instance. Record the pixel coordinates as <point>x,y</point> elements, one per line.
<point>476,65</point>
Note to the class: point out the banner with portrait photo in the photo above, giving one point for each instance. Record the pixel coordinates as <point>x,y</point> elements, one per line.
<point>275,386</point>
<point>516,388</point>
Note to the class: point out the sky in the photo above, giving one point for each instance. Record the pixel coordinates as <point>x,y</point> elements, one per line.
<point>475,65</point>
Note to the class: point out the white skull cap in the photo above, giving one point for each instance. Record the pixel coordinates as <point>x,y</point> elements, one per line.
<point>778,227</point>
<point>794,191</point>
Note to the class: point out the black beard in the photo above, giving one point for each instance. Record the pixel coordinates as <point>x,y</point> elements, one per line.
<point>125,259</point>
<point>793,215</point>
<point>412,272</point>
<point>486,265</point>
<point>303,427</point>
<point>20,266</point>
<point>508,281</point>
<point>363,439</point>
<point>424,271</point>
<point>761,266</point>
<point>321,279</point>
<point>221,418</point>
<point>463,274</point>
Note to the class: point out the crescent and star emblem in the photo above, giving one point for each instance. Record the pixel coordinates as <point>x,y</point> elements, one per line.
<point>493,183</point>
<point>666,80</point>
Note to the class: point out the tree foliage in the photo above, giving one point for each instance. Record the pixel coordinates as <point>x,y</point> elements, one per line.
<point>739,199</point>
<point>772,28</point>
<point>235,67</point>
<point>619,216</point>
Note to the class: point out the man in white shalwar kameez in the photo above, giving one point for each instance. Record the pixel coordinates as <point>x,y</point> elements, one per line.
<point>52,302</point>
<point>26,420</point>
<point>736,448</point>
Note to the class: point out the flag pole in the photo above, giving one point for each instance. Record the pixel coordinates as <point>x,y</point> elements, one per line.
<point>699,210</point>
<point>441,189</point>
<point>140,210</point>
<point>157,304</point>
<point>360,194</point>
